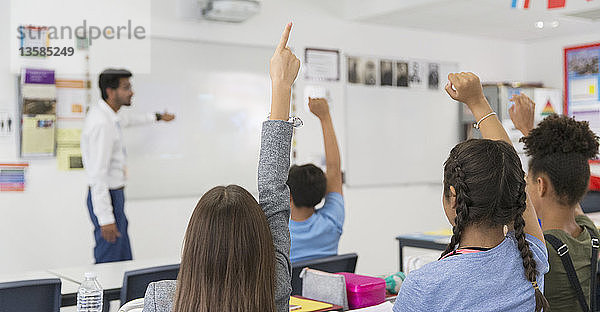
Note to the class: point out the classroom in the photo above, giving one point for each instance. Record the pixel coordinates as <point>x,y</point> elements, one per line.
<point>350,154</point>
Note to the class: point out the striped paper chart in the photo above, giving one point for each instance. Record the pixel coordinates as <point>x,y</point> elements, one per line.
<point>12,177</point>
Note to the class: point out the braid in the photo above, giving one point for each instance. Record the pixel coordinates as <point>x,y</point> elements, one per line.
<point>462,208</point>
<point>529,263</point>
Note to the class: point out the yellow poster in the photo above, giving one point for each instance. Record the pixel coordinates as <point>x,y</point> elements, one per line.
<point>69,158</point>
<point>38,135</point>
<point>68,151</point>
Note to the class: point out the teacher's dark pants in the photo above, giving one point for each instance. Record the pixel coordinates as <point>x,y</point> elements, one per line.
<point>120,250</point>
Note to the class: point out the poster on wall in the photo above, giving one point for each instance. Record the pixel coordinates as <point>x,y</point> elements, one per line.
<point>7,123</point>
<point>548,102</point>
<point>362,70</point>
<point>12,177</point>
<point>386,75</point>
<point>401,74</point>
<point>70,99</point>
<point>321,64</point>
<point>416,75</point>
<point>582,79</point>
<point>38,113</point>
<point>433,78</point>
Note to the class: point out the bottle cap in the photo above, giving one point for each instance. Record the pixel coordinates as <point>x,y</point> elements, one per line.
<point>90,275</point>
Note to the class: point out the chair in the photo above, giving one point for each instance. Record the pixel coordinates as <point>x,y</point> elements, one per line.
<point>333,264</point>
<point>136,305</point>
<point>135,282</point>
<point>591,202</point>
<point>42,295</point>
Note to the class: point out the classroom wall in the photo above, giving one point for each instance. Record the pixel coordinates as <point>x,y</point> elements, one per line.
<point>48,225</point>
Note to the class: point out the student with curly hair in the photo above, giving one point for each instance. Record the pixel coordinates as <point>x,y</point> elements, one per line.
<point>484,190</point>
<point>560,149</point>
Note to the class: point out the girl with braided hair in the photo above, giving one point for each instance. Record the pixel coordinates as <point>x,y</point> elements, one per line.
<point>483,269</point>
<point>559,149</point>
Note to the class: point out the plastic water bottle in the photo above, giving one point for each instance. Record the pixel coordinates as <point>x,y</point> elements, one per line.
<point>89,296</point>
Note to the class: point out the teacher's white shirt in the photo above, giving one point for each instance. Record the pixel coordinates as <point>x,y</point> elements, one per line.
<point>104,154</point>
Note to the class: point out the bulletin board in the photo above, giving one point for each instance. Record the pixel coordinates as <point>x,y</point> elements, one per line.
<point>582,79</point>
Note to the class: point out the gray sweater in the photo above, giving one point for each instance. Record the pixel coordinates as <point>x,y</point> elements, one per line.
<point>274,198</point>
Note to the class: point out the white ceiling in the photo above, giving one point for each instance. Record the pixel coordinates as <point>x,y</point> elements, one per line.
<point>489,18</point>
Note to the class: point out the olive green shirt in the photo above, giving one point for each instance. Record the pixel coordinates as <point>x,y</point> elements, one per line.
<point>557,289</point>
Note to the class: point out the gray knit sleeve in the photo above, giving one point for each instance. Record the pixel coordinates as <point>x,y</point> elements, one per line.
<point>274,198</point>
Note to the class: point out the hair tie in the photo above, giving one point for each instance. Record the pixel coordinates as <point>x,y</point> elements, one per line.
<point>535,285</point>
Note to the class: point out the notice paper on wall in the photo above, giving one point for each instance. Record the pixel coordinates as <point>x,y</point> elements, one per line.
<point>12,177</point>
<point>7,123</point>
<point>70,99</point>
<point>38,113</point>
<point>68,151</point>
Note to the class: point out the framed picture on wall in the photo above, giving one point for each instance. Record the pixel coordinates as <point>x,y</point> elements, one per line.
<point>322,64</point>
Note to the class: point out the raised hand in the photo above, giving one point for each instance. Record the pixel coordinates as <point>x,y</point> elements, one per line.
<point>319,107</point>
<point>465,87</point>
<point>167,117</point>
<point>283,70</point>
<point>284,64</point>
<point>522,113</point>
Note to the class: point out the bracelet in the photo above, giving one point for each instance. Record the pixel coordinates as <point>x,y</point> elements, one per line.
<point>295,121</point>
<point>158,116</point>
<point>476,125</point>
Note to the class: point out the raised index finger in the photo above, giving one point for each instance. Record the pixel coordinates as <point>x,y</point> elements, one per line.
<point>285,36</point>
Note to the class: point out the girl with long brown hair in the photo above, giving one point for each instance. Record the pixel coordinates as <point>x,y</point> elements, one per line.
<point>236,251</point>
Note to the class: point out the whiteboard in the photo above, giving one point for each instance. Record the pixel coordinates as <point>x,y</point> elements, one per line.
<point>399,135</point>
<point>220,95</point>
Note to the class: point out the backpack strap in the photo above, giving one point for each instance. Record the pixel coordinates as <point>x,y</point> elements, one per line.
<point>594,269</point>
<point>563,252</point>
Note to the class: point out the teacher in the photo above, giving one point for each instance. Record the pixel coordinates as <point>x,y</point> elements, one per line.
<point>104,159</point>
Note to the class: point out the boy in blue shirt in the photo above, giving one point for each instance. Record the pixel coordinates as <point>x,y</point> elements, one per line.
<point>315,233</point>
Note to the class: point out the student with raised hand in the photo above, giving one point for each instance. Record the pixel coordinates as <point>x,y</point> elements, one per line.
<point>235,253</point>
<point>559,149</point>
<point>316,233</point>
<point>484,190</point>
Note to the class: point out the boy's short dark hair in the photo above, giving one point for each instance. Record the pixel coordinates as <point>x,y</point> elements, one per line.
<point>110,78</point>
<point>307,185</point>
<point>561,148</point>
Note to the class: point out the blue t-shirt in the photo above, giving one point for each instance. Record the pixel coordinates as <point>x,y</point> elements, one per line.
<point>492,280</point>
<point>319,235</point>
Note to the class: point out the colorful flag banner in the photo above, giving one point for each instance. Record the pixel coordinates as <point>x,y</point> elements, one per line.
<point>556,4</point>
<point>520,4</point>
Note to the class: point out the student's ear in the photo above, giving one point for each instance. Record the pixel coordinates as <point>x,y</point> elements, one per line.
<point>452,198</point>
<point>542,186</point>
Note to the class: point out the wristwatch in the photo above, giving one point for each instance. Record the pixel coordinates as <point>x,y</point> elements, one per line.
<point>158,116</point>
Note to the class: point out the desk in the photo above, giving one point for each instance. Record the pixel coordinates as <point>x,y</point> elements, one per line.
<point>110,275</point>
<point>421,240</point>
<point>68,289</point>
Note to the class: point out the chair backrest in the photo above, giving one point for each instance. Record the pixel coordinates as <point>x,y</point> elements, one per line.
<point>333,264</point>
<point>591,202</point>
<point>135,305</point>
<point>42,295</point>
<point>135,282</point>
